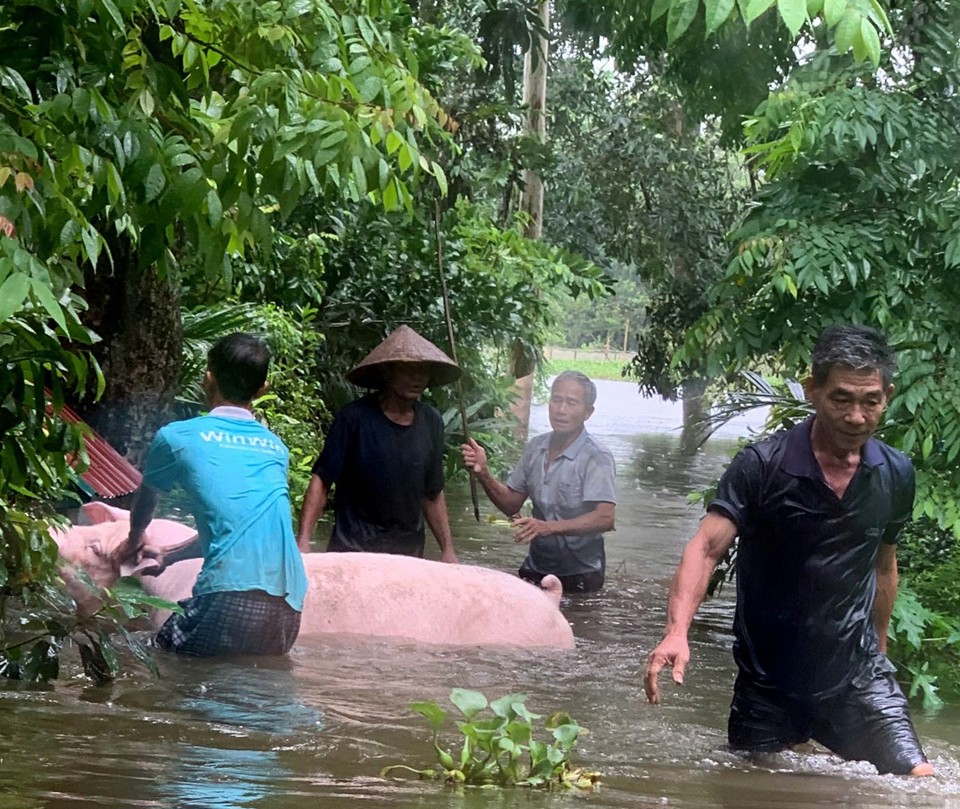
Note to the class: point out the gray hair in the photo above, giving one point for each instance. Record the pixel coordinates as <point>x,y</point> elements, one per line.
<point>584,381</point>
<point>859,348</point>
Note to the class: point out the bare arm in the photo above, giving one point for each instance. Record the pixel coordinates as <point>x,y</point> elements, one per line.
<point>314,502</point>
<point>141,514</point>
<point>887,580</point>
<point>502,496</point>
<point>700,557</point>
<point>598,521</point>
<point>435,512</point>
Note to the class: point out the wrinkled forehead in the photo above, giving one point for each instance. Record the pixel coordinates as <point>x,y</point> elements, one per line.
<point>569,388</point>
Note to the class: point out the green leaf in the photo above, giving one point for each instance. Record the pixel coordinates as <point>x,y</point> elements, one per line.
<point>441,179</point>
<point>214,208</point>
<point>154,183</point>
<point>951,256</point>
<point>879,15</point>
<point>755,8</point>
<point>848,30</point>
<point>433,712</point>
<point>91,243</point>
<point>833,11</point>
<point>716,13</point>
<point>391,197</point>
<point>359,175</point>
<point>504,707</point>
<point>115,14</point>
<point>567,734</point>
<point>367,30</point>
<point>793,13</point>
<point>660,7</point>
<point>139,650</point>
<point>394,141</point>
<point>13,292</point>
<point>370,88</point>
<point>681,14</point>
<point>871,41</point>
<point>50,303</point>
<point>114,184</point>
<point>469,702</point>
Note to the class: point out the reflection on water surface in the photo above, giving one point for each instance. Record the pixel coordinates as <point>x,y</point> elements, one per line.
<point>314,731</point>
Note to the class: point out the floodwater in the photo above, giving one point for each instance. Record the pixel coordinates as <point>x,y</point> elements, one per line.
<point>313,731</point>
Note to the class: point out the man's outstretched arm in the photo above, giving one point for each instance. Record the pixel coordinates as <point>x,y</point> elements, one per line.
<point>700,558</point>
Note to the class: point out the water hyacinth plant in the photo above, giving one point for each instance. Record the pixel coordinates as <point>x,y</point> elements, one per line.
<point>498,745</point>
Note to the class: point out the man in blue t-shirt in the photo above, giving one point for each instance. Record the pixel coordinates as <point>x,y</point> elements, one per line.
<point>818,510</point>
<point>249,594</point>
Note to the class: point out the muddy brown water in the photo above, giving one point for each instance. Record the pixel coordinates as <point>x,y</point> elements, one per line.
<point>314,731</point>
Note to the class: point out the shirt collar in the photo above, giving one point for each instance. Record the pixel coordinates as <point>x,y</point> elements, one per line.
<point>799,460</point>
<point>232,412</point>
<point>573,449</point>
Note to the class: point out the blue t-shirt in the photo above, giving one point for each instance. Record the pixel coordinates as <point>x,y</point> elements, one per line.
<point>234,471</point>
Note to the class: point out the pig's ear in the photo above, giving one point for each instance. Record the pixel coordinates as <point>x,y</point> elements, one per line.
<point>100,512</point>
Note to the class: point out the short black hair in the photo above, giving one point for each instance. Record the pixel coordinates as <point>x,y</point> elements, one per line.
<point>859,348</point>
<point>239,363</point>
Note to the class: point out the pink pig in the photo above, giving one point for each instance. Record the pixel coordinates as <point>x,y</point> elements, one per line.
<point>369,594</point>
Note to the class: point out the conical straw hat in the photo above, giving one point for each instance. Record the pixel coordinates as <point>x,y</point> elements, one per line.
<point>404,345</point>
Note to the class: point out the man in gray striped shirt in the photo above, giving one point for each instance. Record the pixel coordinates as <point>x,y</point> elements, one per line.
<point>569,478</point>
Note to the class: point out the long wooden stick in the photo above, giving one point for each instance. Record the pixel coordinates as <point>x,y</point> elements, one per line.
<point>453,351</point>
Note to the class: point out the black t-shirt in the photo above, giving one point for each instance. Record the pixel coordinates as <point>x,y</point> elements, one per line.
<point>806,579</point>
<point>382,471</point>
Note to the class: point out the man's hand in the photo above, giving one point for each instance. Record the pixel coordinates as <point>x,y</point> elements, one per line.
<point>672,651</point>
<point>131,549</point>
<point>152,561</point>
<point>474,457</point>
<point>449,556</point>
<point>527,529</point>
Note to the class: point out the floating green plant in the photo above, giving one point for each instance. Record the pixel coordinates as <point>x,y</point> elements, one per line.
<point>498,745</point>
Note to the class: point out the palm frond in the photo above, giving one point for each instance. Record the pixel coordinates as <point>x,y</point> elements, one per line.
<point>201,329</point>
<point>785,398</point>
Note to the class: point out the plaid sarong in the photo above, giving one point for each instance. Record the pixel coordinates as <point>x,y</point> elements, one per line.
<point>231,623</point>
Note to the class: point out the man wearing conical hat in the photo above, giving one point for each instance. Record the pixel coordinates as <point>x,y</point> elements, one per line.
<point>384,456</point>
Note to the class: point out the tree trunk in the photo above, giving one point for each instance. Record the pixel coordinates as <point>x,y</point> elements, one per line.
<point>137,315</point>
<point>695,407</point>
<point>531,200</point>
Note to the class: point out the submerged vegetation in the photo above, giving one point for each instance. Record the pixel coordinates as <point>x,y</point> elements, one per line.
<point>499,746</point>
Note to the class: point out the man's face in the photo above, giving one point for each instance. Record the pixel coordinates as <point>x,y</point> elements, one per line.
<point>568,409</point>
<point>407,380</point>
<point>848,406</point>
